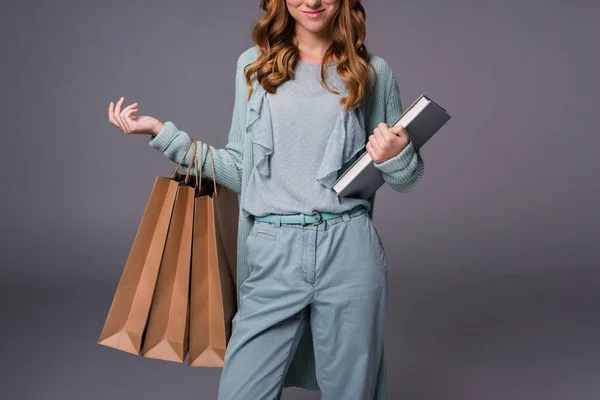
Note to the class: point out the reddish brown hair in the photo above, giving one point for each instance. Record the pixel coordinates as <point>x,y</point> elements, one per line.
<point>273,35</point>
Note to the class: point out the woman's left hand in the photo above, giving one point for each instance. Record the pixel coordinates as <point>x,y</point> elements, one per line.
<point>386,142</point>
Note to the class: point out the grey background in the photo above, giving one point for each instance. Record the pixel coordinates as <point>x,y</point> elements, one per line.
<point>493,259</point>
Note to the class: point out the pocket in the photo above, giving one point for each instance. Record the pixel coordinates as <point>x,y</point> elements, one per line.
<point>260,245</point>
<point>263,230</point>
<point>375,235</point>
<point>260,231</point>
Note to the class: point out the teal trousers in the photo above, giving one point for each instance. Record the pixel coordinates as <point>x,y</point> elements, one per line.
<point>332,276</point>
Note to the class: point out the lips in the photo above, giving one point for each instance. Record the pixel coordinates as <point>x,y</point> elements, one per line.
<point>313,13</point>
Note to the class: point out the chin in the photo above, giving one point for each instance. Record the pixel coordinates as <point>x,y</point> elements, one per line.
<point>297,9</point>
<point>314,28</point>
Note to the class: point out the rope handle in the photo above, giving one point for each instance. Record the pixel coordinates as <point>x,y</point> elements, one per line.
<point>181,161</point>
<point>213,168</point>
<point>213,171</point>
<point>194,163</point>
<point>187,176</point>
<point>197,185</point>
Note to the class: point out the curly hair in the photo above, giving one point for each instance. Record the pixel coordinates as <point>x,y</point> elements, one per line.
<point>274,33</point>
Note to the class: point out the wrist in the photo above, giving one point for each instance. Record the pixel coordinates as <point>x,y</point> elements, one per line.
<point>157,128</point>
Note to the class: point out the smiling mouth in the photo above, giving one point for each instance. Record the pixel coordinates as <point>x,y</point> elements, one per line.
<point>313,13</point>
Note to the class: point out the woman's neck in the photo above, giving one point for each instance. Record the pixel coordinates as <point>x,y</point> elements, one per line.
<point>312,46</point>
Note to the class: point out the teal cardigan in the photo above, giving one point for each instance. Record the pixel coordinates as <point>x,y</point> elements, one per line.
<point>234,162</point>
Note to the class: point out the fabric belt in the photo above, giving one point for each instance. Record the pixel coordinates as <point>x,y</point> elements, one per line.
<point>304,219</point>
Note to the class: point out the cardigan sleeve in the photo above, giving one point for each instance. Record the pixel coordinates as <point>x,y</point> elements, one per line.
<point>173,142</point>
<point>403,171</point>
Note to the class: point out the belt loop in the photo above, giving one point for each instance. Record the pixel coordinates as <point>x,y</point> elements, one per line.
<point>345,216</point>
<point>303,219</point>
<point>354,211</point>
<point>278,221</point>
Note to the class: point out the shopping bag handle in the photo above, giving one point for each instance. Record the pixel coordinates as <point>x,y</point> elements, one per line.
<point>193,163</point>
<point>182,158</point>
<point>187,176</point>
<point>198,174</point>
<point>198,185</point>
<point>214,178</point>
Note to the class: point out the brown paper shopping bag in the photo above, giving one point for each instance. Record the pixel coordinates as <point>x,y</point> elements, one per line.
<point>128,314</point>
<point>213,301</point>
<point>166,336</point>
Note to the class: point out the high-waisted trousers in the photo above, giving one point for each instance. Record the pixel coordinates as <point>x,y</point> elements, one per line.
<point>333,275</point>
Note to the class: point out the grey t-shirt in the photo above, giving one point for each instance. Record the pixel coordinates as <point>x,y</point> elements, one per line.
<point>301,139</point>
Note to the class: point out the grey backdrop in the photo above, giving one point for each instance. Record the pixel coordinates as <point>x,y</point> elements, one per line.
<point>493,258</point>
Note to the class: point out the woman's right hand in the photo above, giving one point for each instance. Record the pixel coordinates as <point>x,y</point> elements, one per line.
<point>132,124</point>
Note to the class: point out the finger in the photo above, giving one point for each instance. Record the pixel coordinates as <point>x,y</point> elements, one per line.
<point>111,108</point>
<point>133,111</point>
<point>117,114</point>
<point>134,105</point>
<point>374,143</point>
<point>124,121</point>
<point>118,105</point>
<point>376,136</point>
<point>386,134</point>
<point>399,131</point>
<point>402,135</point>
<point>128,120</point>
<point>394,128</point>
<point>371,151</point>
<point>111,115</point>
<point>383,137</point>
<point>129,109</point>
<point>392,136</point>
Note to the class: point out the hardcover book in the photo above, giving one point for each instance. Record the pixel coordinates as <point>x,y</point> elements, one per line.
<point>422,119</point>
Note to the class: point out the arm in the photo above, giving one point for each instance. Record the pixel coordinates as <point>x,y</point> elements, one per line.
<point>173,142</point>
<point>403,171</point>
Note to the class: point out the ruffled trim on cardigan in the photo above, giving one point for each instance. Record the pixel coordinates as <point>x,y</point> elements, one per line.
<point>346,140</point>
<point>260,128</point>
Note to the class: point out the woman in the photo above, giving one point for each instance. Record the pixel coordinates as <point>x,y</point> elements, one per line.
<point>312,272</point>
